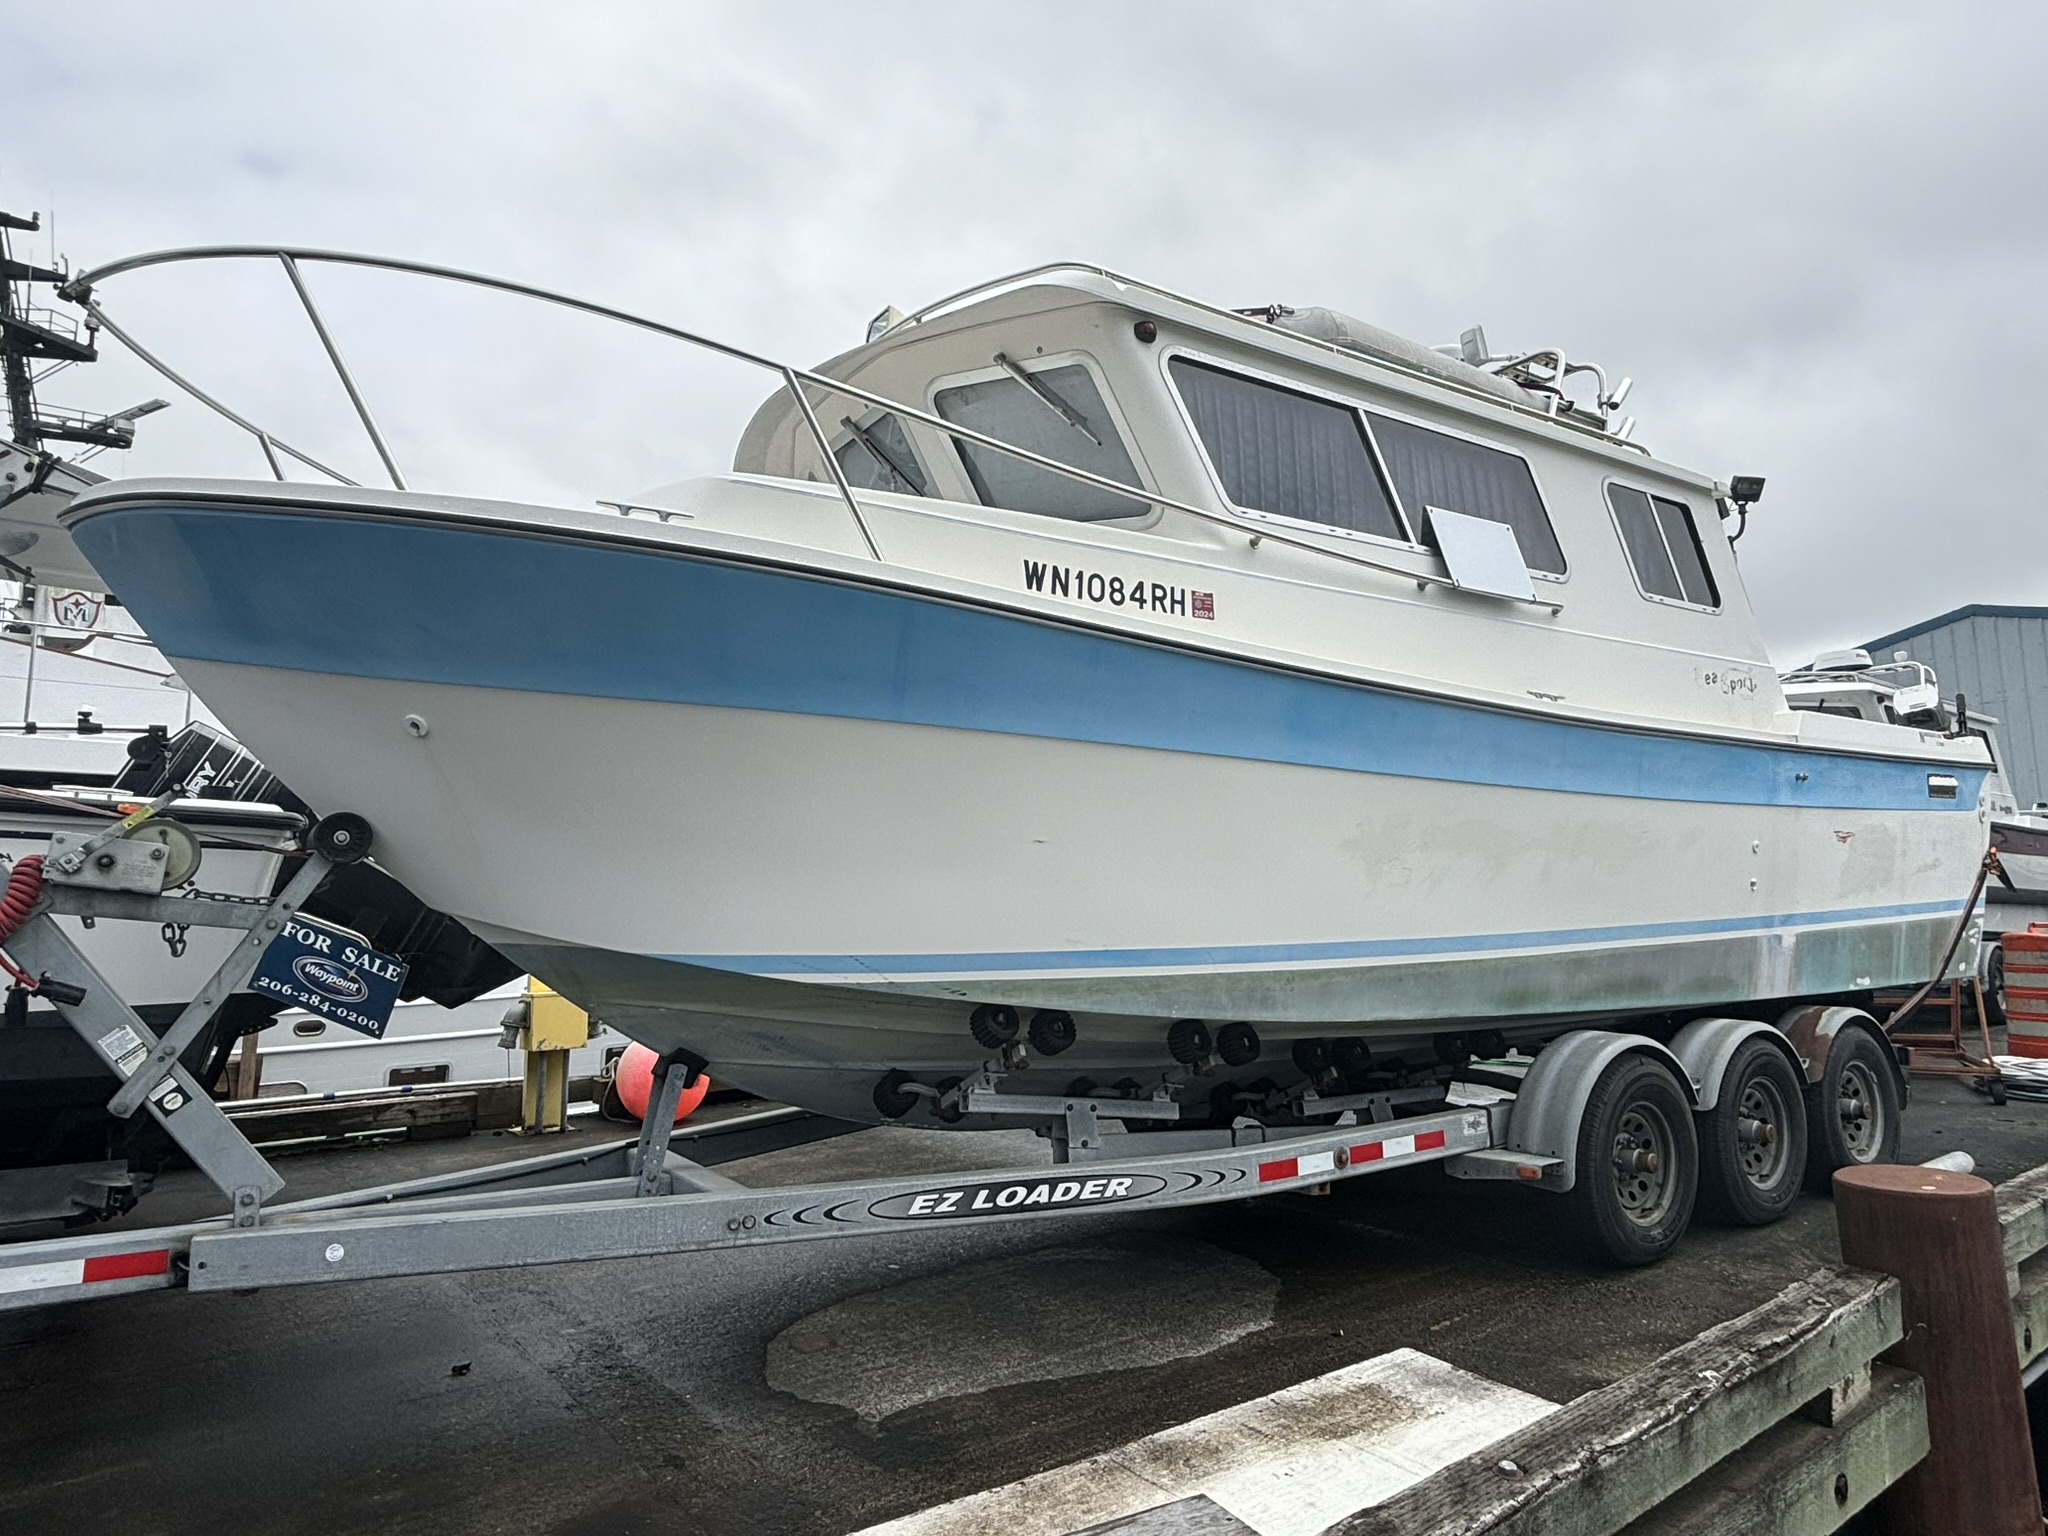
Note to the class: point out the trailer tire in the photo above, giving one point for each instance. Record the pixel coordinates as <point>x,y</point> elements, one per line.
<point>1852,1113</point>
<point>1994,986</point>
<point>1630,1213</point>
<point>1750,1180</point>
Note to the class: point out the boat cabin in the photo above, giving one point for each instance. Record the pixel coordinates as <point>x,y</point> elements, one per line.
<point>1319,488</point>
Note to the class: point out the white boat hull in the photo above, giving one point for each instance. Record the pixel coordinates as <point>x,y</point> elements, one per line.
<point>801,827</point>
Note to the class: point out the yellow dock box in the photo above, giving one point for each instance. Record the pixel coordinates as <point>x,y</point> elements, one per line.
<point>553,1023</point>
<point>553,1028</point>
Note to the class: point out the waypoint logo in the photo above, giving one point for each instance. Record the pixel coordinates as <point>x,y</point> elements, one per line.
<point>336,981</point>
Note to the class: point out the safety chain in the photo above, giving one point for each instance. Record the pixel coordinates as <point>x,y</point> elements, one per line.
<point>226,898</point>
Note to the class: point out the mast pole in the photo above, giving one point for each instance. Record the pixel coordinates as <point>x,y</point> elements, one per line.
<point>21,399</point>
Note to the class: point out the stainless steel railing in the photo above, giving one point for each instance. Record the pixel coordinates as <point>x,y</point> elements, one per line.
<point>80,290</point>
<point>27,633</point>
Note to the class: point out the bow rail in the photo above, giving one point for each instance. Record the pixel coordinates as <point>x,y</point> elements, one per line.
<point>81,290</point>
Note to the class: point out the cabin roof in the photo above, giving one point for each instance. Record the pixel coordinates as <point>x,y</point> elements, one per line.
<point>1370,350</point>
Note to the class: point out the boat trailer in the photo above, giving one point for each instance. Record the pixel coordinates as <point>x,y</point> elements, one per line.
<point>659,1193</point>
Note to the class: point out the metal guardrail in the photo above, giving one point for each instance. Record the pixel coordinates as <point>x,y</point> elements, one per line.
<point>80,291</point>
<point>27,631</point>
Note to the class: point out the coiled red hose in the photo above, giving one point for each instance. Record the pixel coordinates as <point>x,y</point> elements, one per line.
<point>24,885</point>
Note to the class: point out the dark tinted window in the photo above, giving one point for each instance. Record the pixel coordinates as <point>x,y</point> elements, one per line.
<point>1434,469</point>
<point>1683,540</point>
<point>1289,454</point>
<point>1663,547</point>
<point>1644,541</point>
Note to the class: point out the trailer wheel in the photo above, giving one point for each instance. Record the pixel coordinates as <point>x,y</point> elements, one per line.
<point>1753,1143</point>
<point>1852,1113</point>
<point>1638,1163</point>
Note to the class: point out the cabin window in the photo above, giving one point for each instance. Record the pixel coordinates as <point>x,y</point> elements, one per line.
<point>1060,415</point>
<point>877,456</point>
<point>1434,469</point>
<point>1286,453</point>
<point>416,1077</point>
<point>1663,547</point>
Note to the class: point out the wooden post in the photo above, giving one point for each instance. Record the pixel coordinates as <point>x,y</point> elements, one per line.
<point>248,1068</point>
<point>1938,1233</point>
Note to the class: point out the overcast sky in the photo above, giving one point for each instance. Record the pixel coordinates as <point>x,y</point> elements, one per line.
<point>1816,235</point>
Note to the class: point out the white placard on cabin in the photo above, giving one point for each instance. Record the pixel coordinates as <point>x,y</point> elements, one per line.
<point>1481,555</point>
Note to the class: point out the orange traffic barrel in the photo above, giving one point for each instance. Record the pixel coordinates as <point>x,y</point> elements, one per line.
<point>2026,991</point>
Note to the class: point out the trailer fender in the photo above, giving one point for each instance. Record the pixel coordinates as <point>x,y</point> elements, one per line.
<point>1812,1029</point>
<point>1552,1102</point>
<point>1706,1046</point>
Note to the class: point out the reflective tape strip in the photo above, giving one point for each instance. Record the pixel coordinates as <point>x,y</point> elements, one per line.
<point>113,1266</point>
<point>1397,1146</point>
<point>43,1277</point>
<point>1315,1164</point>
<point>128,1266</point>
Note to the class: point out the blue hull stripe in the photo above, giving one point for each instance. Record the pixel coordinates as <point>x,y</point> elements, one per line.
<point>429,602</point>
<point>1253,956</point>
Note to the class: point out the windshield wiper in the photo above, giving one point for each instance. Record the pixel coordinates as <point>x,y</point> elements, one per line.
<point>882,456</point>
<point>1051,401</point>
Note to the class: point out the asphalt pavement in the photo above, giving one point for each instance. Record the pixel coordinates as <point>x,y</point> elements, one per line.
<point>821,1387</point>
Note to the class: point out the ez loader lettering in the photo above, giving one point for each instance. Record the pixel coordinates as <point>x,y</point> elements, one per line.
<point>1115,592</point>
<point>1015,1194</point>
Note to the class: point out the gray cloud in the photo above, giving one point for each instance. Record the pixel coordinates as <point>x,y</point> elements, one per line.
<point>1812,233</point>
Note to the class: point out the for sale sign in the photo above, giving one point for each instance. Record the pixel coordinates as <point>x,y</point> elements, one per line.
<point>331,972</point>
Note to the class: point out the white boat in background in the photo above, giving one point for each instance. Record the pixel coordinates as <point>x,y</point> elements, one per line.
<point>424,1043</point>
<point>1196,694</point>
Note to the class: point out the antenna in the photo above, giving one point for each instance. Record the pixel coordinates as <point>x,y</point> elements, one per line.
<point>29,333</point>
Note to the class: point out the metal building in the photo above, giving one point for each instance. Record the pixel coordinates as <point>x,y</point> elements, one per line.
<point>1997,657</point>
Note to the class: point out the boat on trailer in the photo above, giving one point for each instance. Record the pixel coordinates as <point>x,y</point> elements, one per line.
<point>1234,706</point>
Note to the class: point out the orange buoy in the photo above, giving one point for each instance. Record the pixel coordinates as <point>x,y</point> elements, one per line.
<point>634,1078</point>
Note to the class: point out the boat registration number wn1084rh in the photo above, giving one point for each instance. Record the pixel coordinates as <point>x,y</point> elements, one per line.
<point>1116,591</point>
